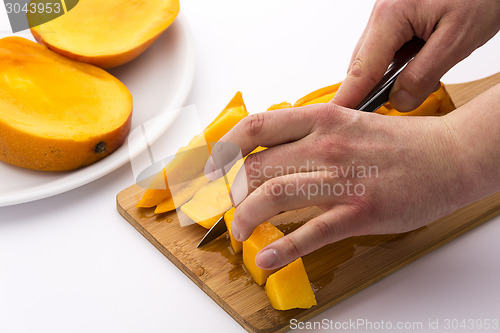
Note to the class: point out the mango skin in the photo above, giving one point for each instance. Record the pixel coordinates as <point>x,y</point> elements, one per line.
<point>49,119</point>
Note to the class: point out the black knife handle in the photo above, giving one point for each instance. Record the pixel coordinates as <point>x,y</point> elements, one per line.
<point>379,95</point>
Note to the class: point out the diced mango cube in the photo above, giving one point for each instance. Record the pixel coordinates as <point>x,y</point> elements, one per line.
<point>228,218</point>
<point>289,288</point>
<point>263,235</point>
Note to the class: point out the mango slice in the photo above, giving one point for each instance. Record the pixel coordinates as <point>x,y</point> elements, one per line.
<point>57,114</point>
<point>289,288</point>
<point>190,160</point>
<point>212,200</point>
<point>228,218</point>
<point>322,95</point>
<point>263,235</point>
<point>106,33</point>
<point>438,103</point>
<point>183,195</point>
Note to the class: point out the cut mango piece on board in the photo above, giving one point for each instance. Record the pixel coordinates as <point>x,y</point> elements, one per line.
<point>322,95</point>
<point>289,288</point>
<point>228,218</point>
<point>212,200</point>
<point>105,33</point>
<point>262,236</point>
<point>190,160</point>
<point>438,103</point>
<point>182,195</point>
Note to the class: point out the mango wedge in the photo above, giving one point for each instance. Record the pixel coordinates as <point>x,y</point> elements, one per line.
<point>228,218</point>
<point>189,163</point>
<point>438,103</point>
<point>212,200</point>
<point>262,236</point>
<point>181,196</point>
<point>289,288</point>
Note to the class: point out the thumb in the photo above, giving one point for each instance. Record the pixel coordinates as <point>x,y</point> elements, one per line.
<point>331,226</point>
<point>422,75</point>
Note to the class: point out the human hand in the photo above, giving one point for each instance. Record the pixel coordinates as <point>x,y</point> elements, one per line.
<point>406,174</point>
<point>452,30</point>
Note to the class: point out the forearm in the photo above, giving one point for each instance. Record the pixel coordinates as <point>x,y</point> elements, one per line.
<point>475,131</point>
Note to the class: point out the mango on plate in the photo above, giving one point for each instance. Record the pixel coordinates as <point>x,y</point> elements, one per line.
<point>262,236</point>
<point>289,288</point>
<point>57,114</point>
<point>106,33</point>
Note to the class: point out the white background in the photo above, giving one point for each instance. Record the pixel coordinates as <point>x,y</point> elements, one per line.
<point>70,263</point>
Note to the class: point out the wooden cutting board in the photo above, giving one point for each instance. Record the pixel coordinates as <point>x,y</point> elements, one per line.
<point>336,271</point>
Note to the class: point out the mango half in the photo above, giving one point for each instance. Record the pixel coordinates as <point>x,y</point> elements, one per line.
<point>57,114</point>
<point>106,33</point>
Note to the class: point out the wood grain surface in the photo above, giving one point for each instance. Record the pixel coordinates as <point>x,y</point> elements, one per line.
<point>336,271</point>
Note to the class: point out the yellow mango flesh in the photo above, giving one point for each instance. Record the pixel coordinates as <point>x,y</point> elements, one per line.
<point>438,103</point>
<point>190,160</point>
<point>212,200</point>
<point>208,204</point>
<point>263,235</point>
<point>54,112</point>
<point>181,195</point>
<point>228,218</point>
<point>107,33</point>
<point>322,95</point>
<point>289,288</point>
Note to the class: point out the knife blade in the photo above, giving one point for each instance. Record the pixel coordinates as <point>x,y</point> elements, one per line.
<point>218,229</point>
<point>377,97</point>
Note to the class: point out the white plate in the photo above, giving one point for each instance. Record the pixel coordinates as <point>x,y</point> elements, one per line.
<point>159,80</point>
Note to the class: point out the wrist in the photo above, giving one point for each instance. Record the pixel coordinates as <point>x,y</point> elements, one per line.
<point>473,132</point>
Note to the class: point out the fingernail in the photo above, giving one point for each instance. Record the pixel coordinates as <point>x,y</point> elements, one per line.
<point>235,231</point>
<point>403,101</point>
<point>267,258</point>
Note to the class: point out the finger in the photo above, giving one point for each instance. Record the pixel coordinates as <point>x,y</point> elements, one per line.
<point>421,76</point>
<point>278,161</point>
<point>286,193</point>
<point>265,129</point>
<point>334,225</point>
<point>376,52</point>
<point>358,46</point>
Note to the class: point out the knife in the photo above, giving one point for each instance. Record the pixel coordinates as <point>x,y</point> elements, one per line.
<point>377,97</point>
<point>218,229</point>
